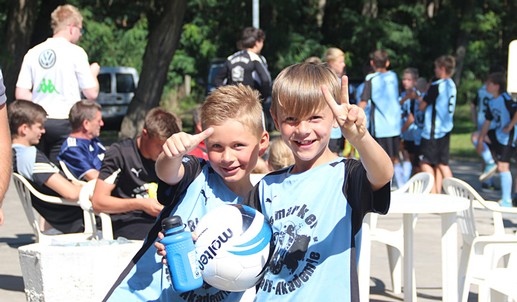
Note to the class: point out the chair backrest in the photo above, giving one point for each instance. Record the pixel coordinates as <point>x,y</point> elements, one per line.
<point>69,174</point>
<point>458,187</point>
<point>421,182</point>
<point>26,190</point>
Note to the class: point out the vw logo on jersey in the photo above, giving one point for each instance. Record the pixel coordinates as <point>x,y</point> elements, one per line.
<point>47,58</point>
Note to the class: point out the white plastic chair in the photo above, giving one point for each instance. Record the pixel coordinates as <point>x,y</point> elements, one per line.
<point>69,174</point>
<point>25,189</point>
<point>480,253</point>
<point>394,240</point>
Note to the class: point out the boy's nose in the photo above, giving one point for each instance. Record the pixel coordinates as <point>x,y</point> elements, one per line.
<point>227,155</point>
<point>303,127</point>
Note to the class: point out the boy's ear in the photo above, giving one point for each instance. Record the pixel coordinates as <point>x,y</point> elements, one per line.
<point>387,63</point>
<point>22,130</point>
<point>264,143</point>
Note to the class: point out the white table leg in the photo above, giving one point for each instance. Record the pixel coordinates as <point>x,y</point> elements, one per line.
<point>409,271</point>
<point>449,258</point>
<point>365,260</point>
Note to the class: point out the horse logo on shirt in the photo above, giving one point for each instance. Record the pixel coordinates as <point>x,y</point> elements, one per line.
<point>47,58</point>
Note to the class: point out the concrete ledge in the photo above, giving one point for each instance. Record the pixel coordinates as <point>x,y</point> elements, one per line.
<point>73,273</point>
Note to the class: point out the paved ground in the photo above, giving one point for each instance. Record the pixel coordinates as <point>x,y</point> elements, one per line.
<point>17,232</point>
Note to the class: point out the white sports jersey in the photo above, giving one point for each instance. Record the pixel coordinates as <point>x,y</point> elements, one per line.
<point>56,71</point>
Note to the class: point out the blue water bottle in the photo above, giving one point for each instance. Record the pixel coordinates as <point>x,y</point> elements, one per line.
<point>181,255</point>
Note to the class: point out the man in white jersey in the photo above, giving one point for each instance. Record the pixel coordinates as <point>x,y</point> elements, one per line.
<point>53,75</point>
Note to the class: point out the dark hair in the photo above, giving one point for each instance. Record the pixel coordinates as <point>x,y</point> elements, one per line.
<point>380,58</point>
<point>161,124</point>
<point>498,78</point>
<point>24,112</point>
<point>448,62</point>
<point>81,111</point>
<point>250,36</point>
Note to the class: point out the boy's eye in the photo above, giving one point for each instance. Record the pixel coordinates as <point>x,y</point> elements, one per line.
<point>290,120</point>
<point>315,118</point>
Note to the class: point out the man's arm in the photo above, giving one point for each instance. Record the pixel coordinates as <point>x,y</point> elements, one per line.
<point>91,174</point>
<point>93,92</point>
<point>5,150</point>
<point>63,187</point>
<point>23,94</point>
<point>103,201</point>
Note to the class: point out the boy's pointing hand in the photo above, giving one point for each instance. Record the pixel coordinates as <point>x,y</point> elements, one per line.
<point>182,143</point>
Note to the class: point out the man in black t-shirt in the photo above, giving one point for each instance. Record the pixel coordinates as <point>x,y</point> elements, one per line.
<point>126,187</point>
<point>247,66</point>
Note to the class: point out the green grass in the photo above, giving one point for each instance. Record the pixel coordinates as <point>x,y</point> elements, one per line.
<point>461,147</point>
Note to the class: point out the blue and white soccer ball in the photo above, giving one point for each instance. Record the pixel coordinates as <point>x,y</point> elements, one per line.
<point>233,247</point>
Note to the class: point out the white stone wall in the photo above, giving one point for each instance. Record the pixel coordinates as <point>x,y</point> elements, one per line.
<point>72,273</point>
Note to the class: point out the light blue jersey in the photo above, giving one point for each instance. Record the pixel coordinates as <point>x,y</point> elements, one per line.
<point>441,102</point>
<point>367,110</point>
<point>500,111</point>
<point>146,278</point>
<point>382,90</point>
<point>482,99</point>
<point>414,132</point>
<point>316,218</point>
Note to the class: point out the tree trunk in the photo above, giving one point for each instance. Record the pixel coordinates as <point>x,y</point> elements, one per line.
<point>164,33</point>
<point>466,9</point>
<point>20,22</point>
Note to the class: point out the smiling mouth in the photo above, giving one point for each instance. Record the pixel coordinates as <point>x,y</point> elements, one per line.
<point>304,142</point>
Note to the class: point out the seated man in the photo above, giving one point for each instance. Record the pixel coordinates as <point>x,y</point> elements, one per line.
<point>82,152</point>
<point>26,120</point>
<point>126,186</point>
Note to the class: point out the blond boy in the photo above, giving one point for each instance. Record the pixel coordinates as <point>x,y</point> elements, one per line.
<point>235,138</point>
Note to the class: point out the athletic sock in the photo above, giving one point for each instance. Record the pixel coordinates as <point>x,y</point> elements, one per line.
<point>487,155</point>
<point>399,174</point>
<point>407,170</point>
<point>506,185</point>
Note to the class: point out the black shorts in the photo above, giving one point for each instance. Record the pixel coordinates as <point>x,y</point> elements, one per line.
<point>390,144</point>
<point>412,148</point>
<point>414,152</point>
<point>502,153</point>
<point>435,151</point>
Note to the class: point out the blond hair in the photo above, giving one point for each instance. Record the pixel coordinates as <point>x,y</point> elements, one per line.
<point>448,62</point>
<point>280,156</point>
<point>63,16</point>
<point>233,102</point>
<point>333,53</point>
<point>297,89</point>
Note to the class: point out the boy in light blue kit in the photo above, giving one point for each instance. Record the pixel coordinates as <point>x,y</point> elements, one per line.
<point>382,91</point>
<point>232,121</point>
<point>438,104</point>
<point>316,206</point>
<point>502,112</point>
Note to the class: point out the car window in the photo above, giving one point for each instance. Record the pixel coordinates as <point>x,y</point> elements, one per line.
<point>104,82</point>
<point>125,83</point>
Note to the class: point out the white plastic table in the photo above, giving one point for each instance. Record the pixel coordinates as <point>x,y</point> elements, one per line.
<point>410,204</point>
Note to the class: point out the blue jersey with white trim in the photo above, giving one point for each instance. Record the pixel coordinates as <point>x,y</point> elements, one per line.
<point>441,102</point>
<point>500,112</point>
<point>82,155</point>
<point>316,232</point>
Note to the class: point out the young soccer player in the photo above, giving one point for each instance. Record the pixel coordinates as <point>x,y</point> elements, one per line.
<point>438,104</point>
<point>232,121</point>
<point>381,90</point>
<point>501,111</point>
<point>413,120</point>
<point>316,206</point>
